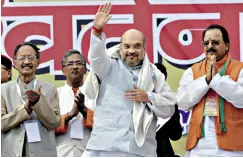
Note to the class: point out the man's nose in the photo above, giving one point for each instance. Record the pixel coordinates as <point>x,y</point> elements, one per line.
<point>131,50</point>
<point>75,66</point>
<point>210,45</point>
<point>26,60</point>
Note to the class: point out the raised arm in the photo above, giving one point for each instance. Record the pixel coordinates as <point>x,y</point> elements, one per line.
<point>99,60</point>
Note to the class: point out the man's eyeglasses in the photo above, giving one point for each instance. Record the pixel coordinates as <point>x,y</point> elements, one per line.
<point>213,43</point>
<point>77,63</point>
<point>22,58</point>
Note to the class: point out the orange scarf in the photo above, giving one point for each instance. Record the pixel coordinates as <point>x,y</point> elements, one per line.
<point>220,124</point>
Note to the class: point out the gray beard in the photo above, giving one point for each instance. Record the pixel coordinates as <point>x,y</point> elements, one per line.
<point>139,66</point>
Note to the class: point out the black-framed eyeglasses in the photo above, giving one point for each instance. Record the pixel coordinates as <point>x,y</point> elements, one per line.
<point>72,63</point>
<point>214,43</point>
<point>22,58</point>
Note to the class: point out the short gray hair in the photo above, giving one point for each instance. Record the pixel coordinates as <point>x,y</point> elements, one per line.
<point>69,53</point>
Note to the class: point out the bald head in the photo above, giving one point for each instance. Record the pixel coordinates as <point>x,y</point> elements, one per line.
<point>133,47</point>
<point>133,34</point>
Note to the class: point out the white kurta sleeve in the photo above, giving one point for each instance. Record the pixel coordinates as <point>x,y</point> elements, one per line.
<point>100,62</point>
<point>230,90</point>
<point>191,91</point>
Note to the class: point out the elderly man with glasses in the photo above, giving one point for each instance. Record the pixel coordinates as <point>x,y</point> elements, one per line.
<point>76,124</point>
<point>213,89</point>
<point>29,109</point>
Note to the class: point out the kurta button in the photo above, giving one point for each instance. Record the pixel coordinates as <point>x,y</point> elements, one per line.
<point>20,140</point>
<point>17,155</point>
<point>74,145</point>
<point>21,124</point>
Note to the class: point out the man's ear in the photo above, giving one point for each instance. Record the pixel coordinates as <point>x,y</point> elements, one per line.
<point>227,46</point>
<point>9,73</point>
<point>63,71</point>
<point>145,48</point>
<point>85,70</point>
<point>38,63</point>
<point>14,63</point>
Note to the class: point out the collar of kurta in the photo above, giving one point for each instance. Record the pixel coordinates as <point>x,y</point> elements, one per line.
<point>23,89</point>
<point>67,86</point>
<point>71,88</point>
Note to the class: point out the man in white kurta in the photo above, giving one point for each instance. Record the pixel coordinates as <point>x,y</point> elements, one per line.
<point>131,94</point>
<point>191,92</point>
<point>73,134</point>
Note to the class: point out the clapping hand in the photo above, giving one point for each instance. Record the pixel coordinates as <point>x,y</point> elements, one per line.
<point>33,96</point>
<point>212,68</point>
<point>79,100</point>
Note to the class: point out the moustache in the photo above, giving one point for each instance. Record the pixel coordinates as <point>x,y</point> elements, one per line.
<point>211,50</point>
<point>74,72</point>
<point>26,65</point>
<point>132,54</point>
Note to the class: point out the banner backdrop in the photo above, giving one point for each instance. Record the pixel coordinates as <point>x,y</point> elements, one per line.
<point>173,31</point>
